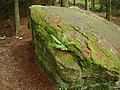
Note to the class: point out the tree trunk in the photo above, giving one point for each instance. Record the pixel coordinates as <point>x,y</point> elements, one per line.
<point>46,2</point>
<point>17,16</point>
<point>59,1</point>
<point>62,4</point>
<point>86,4</point>
<point>67,3</point>
<point>101,5</point>
<point>73,2</point>
<point>108,9</point>
<point>93,5</point>
<point>26,7</point>
<point>53,2</point>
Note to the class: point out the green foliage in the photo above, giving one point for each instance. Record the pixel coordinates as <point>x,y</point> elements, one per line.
<point>62,44</point>
<point>58,44</point>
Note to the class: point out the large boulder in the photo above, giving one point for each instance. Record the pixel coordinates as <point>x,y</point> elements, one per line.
<point>74,48</point>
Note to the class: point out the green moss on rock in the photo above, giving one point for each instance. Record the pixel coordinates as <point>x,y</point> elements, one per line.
<point>72,58</point>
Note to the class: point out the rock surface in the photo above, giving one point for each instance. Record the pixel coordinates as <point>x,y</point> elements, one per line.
<point>74,47</point>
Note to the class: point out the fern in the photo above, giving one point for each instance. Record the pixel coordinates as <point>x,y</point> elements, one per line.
<point>66,41</point>
<point>58,44</point>
<point>61,44</point>
<point>64,38</point>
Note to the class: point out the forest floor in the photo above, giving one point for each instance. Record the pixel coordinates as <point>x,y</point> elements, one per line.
<point>18,68</point>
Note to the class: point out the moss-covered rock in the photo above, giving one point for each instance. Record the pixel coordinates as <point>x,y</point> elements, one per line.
<point>75,59</point>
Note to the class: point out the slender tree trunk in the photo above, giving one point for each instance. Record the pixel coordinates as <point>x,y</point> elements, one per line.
<point>108,10</point>
<point>67,3</point>
<point>26,5</point>
<point>74,2</point>
<point>62,4</point>
<point>59,1</point>
<point>93,5</point>
<point>46,2</point>
<point>86,4</point>
<point>53,2</point>
<point>101,5</point>
<point>17,16</point>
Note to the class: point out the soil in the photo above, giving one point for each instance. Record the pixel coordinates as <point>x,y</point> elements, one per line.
<point>18,67</point>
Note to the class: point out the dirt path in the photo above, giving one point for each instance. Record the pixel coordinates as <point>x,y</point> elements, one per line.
<point>18,68</point>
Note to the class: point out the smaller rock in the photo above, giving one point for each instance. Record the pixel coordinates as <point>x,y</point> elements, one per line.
<point>17,37</point>
<point>2,37</point>
<point>20,38</point>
